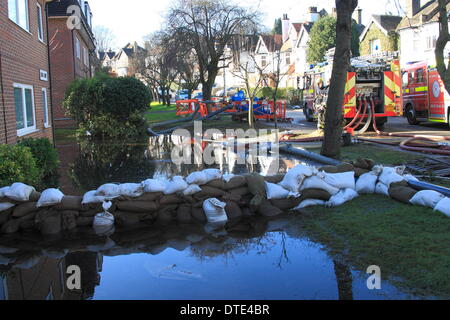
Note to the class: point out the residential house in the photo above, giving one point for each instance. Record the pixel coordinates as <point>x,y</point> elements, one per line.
<point>419,31</point>
<point>121,63</point>
<point>380,35</point>
<point>72,50</point>
<point>106,58</point>
<point>25,103</point>
<point>267,53</point>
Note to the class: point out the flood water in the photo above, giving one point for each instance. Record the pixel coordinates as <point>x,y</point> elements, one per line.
<point>255,259</point>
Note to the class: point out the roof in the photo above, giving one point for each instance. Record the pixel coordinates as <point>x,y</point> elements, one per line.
<point>386,23</point>
<point>297,26</point>
<point>273,42</point>
<point>427,14</point>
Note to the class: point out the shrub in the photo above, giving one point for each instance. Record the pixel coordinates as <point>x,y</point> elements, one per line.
<point>46,158</point>
<point>108,107</point>
<point>17,164</point>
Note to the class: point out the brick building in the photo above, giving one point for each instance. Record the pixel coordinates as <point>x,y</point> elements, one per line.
<point>72,50</point>
<point>25,104</point>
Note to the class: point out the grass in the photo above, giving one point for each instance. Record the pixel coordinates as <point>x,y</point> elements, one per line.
<point>409,243</point>
<point>157,107</point>
<point>160,117</point>
<point>65,136</point>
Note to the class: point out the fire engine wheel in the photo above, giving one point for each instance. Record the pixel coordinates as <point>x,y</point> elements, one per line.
<point>411,115</point>
<point>309,114</point>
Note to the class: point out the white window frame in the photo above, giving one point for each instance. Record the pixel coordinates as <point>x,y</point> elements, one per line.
<point>40,23</point>
<point>45,108</point>
<point>26,130</point>
<point>77,48</point>
<point>86,56</point>
<point>16,19</point>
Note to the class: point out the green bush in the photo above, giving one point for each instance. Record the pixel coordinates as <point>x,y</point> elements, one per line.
<point>17,164</point>
<point>46,159</point>
<point>108,107</point>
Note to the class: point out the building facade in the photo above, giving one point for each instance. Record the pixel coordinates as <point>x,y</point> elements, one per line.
<point>72,50</point>
<point>380,35</point>
<point>25,102</point>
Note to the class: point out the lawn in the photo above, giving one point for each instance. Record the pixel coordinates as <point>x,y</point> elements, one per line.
<point>157,107</point>
<point>409,243</point>
<point>65,136</point>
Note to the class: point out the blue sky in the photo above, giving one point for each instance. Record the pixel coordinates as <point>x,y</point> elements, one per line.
<point>132,19</point>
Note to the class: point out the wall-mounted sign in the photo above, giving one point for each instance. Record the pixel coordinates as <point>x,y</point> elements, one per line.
<point>43,75</point>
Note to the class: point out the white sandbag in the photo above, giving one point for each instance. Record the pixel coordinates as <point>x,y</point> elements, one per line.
<point>377,170</point>
<point>392,175</point>
<point>443,206</point>
<point>132,190</point>
<point>309,203</point>
<point>342,197</point>
<point>212,174</point>
<point>367,183</point>
<point>50,197</point>
<point>410,177</point>
<point>3,191</point>
<point>215,211</point>
<point>177,184</point>
<point>90,197</point>
<point>382,189</point>
<point>191,190</point>
<point>154,185</point>
<point>109,191</point>
<point>19,192</point>
<point>277,192</point>
<point>427,198</point>
<point>293,180</point>
<point>228,176</point>
<point>316,182</point>
<point>5,206</point>
<point>344,180</point>
<point>104,219</point>
<point>198,178</point>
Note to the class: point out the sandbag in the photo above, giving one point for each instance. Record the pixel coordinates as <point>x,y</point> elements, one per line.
<point>235,183</point>
<point>24,209</point>
<point>233,211</point>
<point>5,216</point>
<point>316,182</point>
<point>10,227</point>
<point>359,172</point>
<point>345,167</point>
<point>382,189</point>
<point>3,192</point>
<point>50,197</point>
<point>70,203</point>
<point>316,194</point>
<point>209,192</point>
<point>217,183</point>
<point>147,196</point>
<point>198,178</point>
<point>257,187</point>
<point>427,198</point>
<point>286,204</point>
<point>166,214</point>
<point>215,211</point>
<point>367,183</point>
<point>170,199</point>
<point>366,164</point>
<point>154,185</point>
<point>276,179</point>
<point>109,191</point>
<point>34,196</point>
<point>212,174</point>
<point>329,169</point>
<point>126,219</point>
<point>103,220</point>
<point>132,190</point>
<point>137,206</point>
<point>342,197</point>
<point>227,177</point>
<point>443,206</point>
<point>199,215</point>
<point>48,222</point>
<point>176,184</point>
<point>69,220</point>
<point>342,180</point>
<point>402,194</point>
<point>85,221</point>
<point>293,180</point>
<point>184,215</point>
<point>392,175</point>
<point>91,198</point>
<point>277,192</point>
<point>192,189</point>
<point>239,191</point>
<point>6,206</point>
<point>19,192</point>
<point>266,209</point>
<point>309,203</point>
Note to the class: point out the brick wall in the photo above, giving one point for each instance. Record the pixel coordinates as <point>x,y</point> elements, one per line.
<point>388,42</point>
<point>22,56</point>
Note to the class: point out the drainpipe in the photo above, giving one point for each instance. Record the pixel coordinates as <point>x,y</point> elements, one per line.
<point>50,77</point>
<point>3,99</point>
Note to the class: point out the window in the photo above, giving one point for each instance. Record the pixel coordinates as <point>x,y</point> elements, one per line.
<point>39,23</point>
<point>420,76</point>
<point>288,58</point>
<point>18,12</point>
<point>45,107</point>
<point>431,42</point>
<point>86,56</point>
<point>263,61</point>
<point>25,114</point>
<point>77,48</point>
<point>375,46</point>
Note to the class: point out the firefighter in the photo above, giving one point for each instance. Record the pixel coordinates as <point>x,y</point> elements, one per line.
<point>321,103</point>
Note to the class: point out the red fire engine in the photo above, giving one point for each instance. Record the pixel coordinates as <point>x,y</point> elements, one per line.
<point>424,95</point>
<point>377,78</point>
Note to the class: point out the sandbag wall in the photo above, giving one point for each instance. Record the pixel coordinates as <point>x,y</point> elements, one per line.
<point>176,201</point>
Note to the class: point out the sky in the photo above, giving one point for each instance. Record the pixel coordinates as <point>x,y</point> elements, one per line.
<point>131,20</point>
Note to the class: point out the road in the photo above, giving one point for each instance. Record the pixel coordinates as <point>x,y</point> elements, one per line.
<point>394,125</point>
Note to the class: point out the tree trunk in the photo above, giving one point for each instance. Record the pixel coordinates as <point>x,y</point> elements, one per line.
<point>444,38</point>
<point>333,115</point>
<point>207,87</point>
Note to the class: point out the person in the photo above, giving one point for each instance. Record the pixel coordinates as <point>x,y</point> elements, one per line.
<point>321,103</point>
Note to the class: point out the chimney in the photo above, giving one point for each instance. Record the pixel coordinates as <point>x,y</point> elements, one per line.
<point>285,27</point>
<point>359,16</point>
<point>412,8</point>
<point>313,15</point>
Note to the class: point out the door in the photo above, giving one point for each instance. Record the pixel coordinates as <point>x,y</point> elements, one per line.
<point>437,109</point>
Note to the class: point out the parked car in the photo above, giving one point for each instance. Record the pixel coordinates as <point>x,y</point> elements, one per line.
<point>182,95</point>
<point>198,96</point>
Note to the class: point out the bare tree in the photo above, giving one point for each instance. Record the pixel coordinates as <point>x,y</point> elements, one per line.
<point>333,115</point>
<point>157,64</point>
<point>208,26</point>
<point>277,75</point>
<point>105,38</point>
<point>442,41</point>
